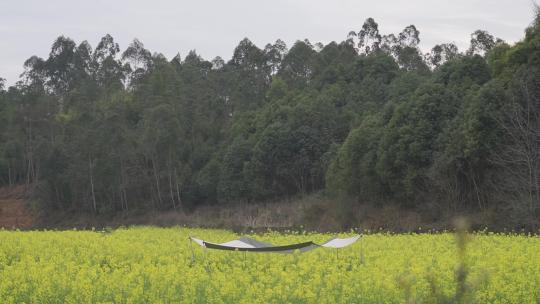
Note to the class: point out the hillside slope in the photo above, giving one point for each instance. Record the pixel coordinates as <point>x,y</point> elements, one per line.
<point>14,212</point>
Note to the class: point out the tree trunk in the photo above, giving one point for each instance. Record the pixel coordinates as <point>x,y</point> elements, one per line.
<point>520,155</point>
<point>90,167</point>
<point>171,189</point>
<point>36,172</point>
<point>160,201</point>
<point>29,153</point>
<point>123,194</point>
<point>477,192</point>
<point>9,174</point>
<point>177,189</point>
<point>57,194</point>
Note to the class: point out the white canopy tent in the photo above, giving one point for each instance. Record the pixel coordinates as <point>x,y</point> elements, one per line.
<point>251,245</point>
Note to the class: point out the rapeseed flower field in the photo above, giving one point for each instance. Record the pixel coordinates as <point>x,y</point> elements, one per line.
<point>155,265</point>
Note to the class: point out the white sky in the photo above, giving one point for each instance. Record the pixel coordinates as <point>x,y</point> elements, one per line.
<point>214,28</point>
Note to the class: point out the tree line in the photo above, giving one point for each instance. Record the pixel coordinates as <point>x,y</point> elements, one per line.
<point>371,118</point>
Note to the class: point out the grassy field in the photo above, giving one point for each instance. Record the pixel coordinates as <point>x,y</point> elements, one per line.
<point>154,265</point>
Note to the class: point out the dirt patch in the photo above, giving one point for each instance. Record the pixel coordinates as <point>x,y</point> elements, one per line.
<point>14,212</point>
<point>13,192</point>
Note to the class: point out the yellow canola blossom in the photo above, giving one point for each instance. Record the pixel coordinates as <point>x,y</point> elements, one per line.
<point>154,265</point>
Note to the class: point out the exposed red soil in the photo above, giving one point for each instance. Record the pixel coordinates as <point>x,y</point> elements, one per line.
<point>14,212</point>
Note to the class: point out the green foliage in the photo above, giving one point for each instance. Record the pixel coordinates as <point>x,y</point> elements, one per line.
<point>234,183</point>
<point>353,169</point>
<point>409,140</point>
<point>372,118</point>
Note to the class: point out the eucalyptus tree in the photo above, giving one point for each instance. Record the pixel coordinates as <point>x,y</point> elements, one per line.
<point>103,131</point>
<point>274,54</point>
<point>482,42</point>
<point>108,71</point>
<point>369,38</point>
<point>252,75</point>
<point>297,67</point>
<point>442,53</point>
<point>139,61</point>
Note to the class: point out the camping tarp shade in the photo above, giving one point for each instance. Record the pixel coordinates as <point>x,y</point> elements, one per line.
<point>340,243</point>
<point>251,245</point>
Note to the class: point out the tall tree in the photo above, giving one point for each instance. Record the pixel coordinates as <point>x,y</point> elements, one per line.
<point>369,38</point>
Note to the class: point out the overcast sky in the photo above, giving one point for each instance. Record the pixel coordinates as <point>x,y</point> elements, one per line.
<point>214,28</point>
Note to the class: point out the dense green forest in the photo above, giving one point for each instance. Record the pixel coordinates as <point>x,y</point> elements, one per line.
<point>370,119</point>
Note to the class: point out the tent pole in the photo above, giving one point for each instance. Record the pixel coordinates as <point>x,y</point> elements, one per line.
<point>362,250</point>
<point>206,260</point>
<point>192,252</point>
